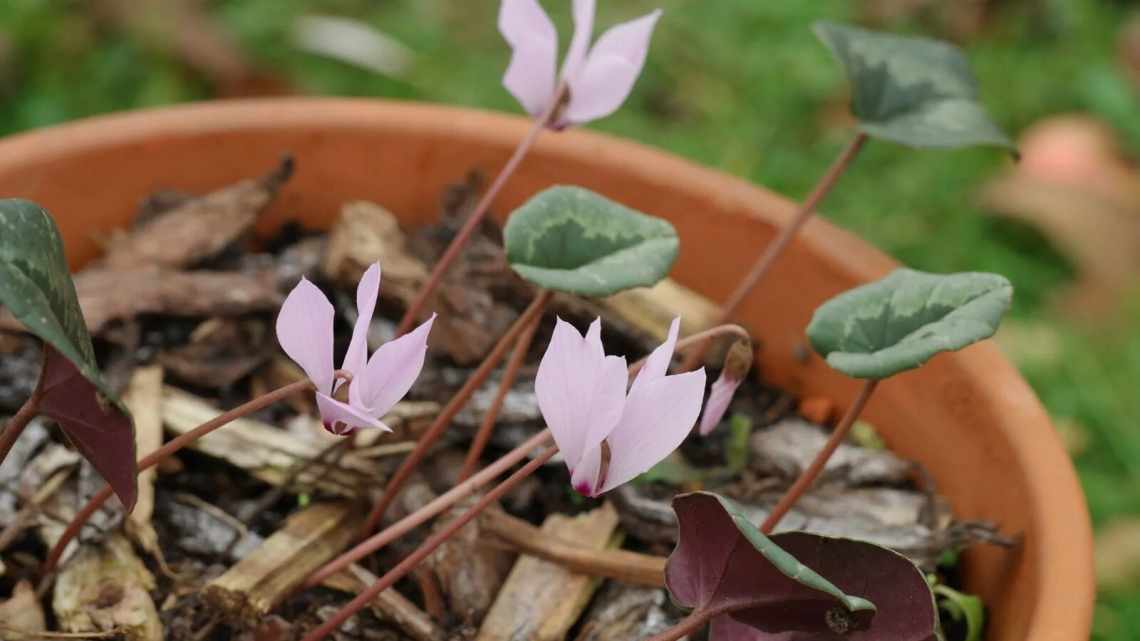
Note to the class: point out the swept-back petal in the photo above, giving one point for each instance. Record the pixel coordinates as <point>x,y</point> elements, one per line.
<point>657,363</point>
<point>607,76</point>
<point>580,391</point>
<point>719,398</point>
<point>584,11</point>
<point>534,53</point>
<point>611,385</point>
<point>391,371</point>
<point>305,331</point>
<point>657,417</point>
<point>366,294</point>
<point>342,418</point>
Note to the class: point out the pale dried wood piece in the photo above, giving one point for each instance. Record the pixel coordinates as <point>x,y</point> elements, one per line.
<point>541,600</point>
<point>106,587</point>
<point>622,565</point>
<point>624,613</point>
<point>197,229</point>
<point>389,605</point>
<point>21,616</point>
<point>264,451</point>
<point>259,582</point>
<point>262,579</point>
<point>650,310</point>
<point>144,399</point>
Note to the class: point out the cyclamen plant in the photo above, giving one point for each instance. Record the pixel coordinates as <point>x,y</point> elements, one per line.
<point>737,576</point>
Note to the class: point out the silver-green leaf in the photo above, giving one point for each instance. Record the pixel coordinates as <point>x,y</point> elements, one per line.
<point>900,322</point>
<point>36,287</point>
<point>914,91</point>
<point>573,240</point>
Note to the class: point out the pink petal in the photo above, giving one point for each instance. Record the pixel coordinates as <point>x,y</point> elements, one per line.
<point>305,331</point>
<point>391,371</point>
<point>584,11</point>
<point>719,398</point>
<point>726,628</point>
<point>580,391</point>
<point>606,79</point>
<point>366,294</point>
<point>341,418</point>
<point>657,363</point>
<point>658,415</point>
<point>534,53</point>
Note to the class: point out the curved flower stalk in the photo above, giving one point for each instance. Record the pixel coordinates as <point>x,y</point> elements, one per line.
<point>606,435</point>
<point>736,365</point>
<point>376,384</point>
<point>598,80</point>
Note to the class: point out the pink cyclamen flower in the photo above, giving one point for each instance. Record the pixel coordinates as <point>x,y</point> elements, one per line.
<point>599,79</point>
<point>582,395</point>
<point>736,365</point>
<point>305,331</point>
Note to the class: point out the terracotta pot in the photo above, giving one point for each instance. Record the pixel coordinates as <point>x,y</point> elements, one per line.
<point>968,417</point>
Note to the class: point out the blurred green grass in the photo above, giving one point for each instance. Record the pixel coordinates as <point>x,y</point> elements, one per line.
<point>738,85</point>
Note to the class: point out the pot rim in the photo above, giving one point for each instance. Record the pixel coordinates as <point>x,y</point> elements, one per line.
<point>1066,591</point>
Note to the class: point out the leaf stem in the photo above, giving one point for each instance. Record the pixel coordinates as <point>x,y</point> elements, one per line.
<point>422,515</point>
<point>396,483</point>
<point>163,453</point>
<point>809,475</point>
<point>514,363</point>
<point>774,249</point>
<point>480,211</point>
<point>428,546</point>
<point>24,415</point>
<point>692,623</point>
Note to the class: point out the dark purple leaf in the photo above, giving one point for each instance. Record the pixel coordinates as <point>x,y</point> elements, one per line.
<point>97,426</point>
<point>793,586</point>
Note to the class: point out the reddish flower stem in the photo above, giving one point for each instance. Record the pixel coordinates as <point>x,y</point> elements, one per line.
<point>427,512</point>
<point>695,620</point>
<point>774,249</point>
<point>428,546</point>
<point>396,483</point>
<point>19,422</point>
<point>163,453</point>
<point>809,475</point>
<point>514,364</point>
<point>480,211</point>
<point>694,341</point>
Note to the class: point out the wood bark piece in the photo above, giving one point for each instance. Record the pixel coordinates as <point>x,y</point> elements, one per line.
<point>106,587</point>
<point>120,294</point>
<point>144,399</point>
<point>255,585</point>
<point>541,600</point>
<point>21,615</point>
<point>470,571</point>
<point>624,613</point>
<point>650,310</point>
<point>266,452</point>
<point>622,565</point>
<point>263,579</point>
<point>197,229</point>
<point>364,234</point>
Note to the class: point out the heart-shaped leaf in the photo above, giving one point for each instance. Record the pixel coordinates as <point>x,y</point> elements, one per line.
<point>572,240</point>
<point>901,321</point>
<point>914,91</point>
<point>793,583</point>
<point>36,287</point>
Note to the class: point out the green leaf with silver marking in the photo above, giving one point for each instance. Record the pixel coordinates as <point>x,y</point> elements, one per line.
<point>36,287</point>
<point>900,322</point>
<point>914,91</point>
<point>570,239</point>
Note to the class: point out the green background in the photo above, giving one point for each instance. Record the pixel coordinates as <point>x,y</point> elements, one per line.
<point>739,85</point>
